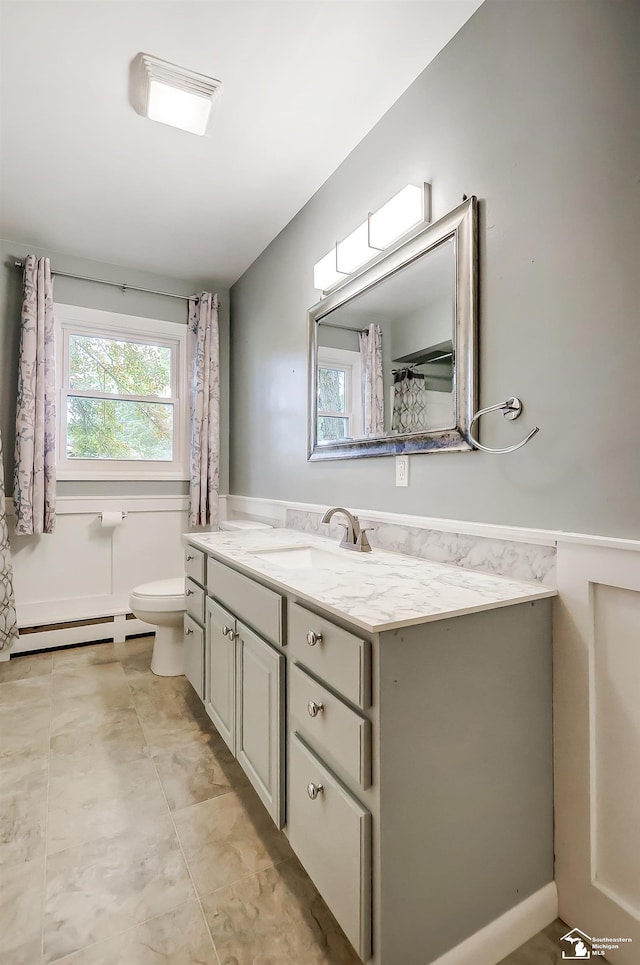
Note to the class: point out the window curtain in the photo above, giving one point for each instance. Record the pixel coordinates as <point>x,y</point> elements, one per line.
<point>204,353</point>
<point>409,402</point>
<point>370,342</point>
<point>35,470</point>
<point>8,624</point>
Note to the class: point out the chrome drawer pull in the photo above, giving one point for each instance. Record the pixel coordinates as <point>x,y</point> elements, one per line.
<point>314,789</point>
<point>190,592</point>
<point>313,638</point>
<point>314,708</point>
<point>189,558</point>
<point>187,631</point>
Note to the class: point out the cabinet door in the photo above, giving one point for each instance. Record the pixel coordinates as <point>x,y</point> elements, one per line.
<point>194,655</point>
<point>330,832</point>
<point>260,719</point>
<point>220,689</point>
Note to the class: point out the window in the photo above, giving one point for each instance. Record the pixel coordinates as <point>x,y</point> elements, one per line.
<point>339,406</point>
<point>122,408</point>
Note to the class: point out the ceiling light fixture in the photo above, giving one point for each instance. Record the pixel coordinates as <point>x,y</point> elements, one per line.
<point>173,95</point>
<point>408,208</point>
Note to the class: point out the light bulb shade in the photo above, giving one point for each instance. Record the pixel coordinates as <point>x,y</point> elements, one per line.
<point>325,274</point>
<point>355,250</point>
<point>397,216</point>
<point>173,95</point>
<point>178,108</point>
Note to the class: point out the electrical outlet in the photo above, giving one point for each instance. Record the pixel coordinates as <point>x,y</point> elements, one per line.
<point>402,470</point>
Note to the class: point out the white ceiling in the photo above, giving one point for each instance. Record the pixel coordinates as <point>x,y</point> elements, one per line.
<point>304,81</point>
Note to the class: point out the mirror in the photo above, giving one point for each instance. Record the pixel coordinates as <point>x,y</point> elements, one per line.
<point>392,353</point>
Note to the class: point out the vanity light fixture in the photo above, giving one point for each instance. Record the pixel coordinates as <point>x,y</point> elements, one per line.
<point>408,208</point>
<point>174,95</point>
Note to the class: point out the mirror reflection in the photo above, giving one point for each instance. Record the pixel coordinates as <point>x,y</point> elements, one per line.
<point>385,359</point>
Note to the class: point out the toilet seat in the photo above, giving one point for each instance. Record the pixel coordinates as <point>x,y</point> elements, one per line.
<point>161,596</point>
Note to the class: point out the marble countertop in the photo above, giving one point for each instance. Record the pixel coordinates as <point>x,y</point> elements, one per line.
<point>376,591</point>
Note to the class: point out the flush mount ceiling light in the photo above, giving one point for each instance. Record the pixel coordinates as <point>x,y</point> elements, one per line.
<point>173,95</point>
<point>408,208</point>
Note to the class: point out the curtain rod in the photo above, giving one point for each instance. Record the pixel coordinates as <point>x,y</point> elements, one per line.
<point>343,328</point>
<point>114,284</point>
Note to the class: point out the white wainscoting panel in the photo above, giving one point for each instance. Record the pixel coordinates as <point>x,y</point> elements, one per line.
<point>84,571</point>
<point>616,744</point>
<point>597,743</point>
<point>73,561</point>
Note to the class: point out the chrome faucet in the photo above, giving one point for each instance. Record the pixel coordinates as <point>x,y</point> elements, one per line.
<point>354,538</point>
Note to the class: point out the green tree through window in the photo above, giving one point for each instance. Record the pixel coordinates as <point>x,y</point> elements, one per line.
<point>103,428</point>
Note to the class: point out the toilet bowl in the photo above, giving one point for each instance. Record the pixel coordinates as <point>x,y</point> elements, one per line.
<point>163,605</point>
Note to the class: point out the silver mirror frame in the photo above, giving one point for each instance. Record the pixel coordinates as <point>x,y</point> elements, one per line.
<point>461,225</point>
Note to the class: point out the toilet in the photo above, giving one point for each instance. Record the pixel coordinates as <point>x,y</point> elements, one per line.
<point>163,604</point>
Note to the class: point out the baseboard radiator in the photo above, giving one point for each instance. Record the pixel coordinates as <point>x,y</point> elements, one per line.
<point>110,628</point>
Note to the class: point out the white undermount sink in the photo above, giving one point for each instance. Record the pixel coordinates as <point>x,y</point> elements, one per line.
<point>298,557</point>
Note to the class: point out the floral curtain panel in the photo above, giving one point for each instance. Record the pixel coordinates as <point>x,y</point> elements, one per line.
<point>370,343</point>
<point>8,625</point>
<point>205,410</point>
<point>35,471</point>
<point>409,402</point>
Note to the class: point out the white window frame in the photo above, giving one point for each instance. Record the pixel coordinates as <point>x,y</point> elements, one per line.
<point>71,319</point>
<point>350,363</point>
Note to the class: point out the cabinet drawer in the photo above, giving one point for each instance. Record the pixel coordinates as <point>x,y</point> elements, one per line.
<point>194,655</point>
<point>195,596</point>
<point>194,564</point>
<point>331,728</point>
<point>332,837</point>
<point>255,604</point>
<point>333,654</point>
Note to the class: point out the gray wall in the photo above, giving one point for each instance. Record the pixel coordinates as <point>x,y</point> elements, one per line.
<point>423,329</point>
<point>72,292</point>
<point>533,107</point>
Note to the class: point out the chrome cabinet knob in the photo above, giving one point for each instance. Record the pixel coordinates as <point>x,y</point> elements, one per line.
<point>313,638</point>
<point>314,789</point>
<point>314,708</point>
<point>228,631</point>
<point>189,592</point>
<point>189,558</point>
<point>187,631</point>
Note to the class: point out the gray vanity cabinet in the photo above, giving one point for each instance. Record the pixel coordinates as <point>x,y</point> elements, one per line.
<point>419,770</point>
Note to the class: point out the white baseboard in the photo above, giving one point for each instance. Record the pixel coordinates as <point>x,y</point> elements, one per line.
<point>497,940</point>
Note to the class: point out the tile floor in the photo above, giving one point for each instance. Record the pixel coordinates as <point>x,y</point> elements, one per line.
<point>129,835</point>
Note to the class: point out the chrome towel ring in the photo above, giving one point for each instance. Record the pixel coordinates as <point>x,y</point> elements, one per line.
<point>511,409</point>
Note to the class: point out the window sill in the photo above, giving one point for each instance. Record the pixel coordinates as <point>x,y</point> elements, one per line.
<point>82,475</point>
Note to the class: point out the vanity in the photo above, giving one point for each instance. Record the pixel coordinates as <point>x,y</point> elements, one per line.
<point>394,716</point>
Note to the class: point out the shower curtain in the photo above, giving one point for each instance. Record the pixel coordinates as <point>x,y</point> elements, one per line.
<point>8,625</point>
<point>370,342</point>
<point>34,486</point>
<point>205,410</point>
<point>409,402</point>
